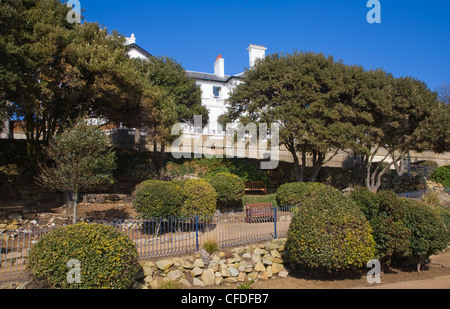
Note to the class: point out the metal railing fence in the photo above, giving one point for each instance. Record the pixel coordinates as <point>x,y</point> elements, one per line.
<point>161,237</point>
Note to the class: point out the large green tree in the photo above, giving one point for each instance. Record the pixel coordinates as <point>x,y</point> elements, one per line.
<point>306,94</point>
<point>60,71</point>
<point>179,100</point>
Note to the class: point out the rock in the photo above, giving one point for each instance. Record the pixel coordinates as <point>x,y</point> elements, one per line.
<point>15,216</point>
<point>267,262</point>
<point>7,286</point>
<point>275,254</point>
<point>263,275</point>
<point>283,274</point>
<point>260,267</point>
<point>164,264</point>
<point>12,227</point>
<point>174,275</point>
<point>253,275</point>
<point>260,251</point>
<point>208,277</point>
<point>224,271</point>
<point>13,255</point>
<point>199,263</point>
<point>233,271</point>
<point>242,277</point>
<point>230,280</point>
<point>218,281</point>
<point>185,283</point>
<point>276,268</point>
<point>186,264</point>
<point>197,271</point>
<point>221,254</point>
<point>198,282</point>
<point>247,255</point>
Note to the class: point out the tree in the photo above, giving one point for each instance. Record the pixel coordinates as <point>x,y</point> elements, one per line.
<point>306,94</point>
<point>61,71</point>
<point>444,93</point>
<point>81,159</point>
<point>399,108</point>
<point>179,101</point>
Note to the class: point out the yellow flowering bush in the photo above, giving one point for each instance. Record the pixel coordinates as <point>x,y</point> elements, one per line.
<point>107,258</point>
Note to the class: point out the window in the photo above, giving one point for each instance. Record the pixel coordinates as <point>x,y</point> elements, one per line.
<point>216,92</point>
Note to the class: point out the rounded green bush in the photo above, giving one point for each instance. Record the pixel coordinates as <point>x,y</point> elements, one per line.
<point>442,175</point>
<point>293,194</point>
<point>230,189</point>
<point>383,211</point>
<point>158,198</point>
<point>367,201</point>
<point>329,233</point>
<point>201,198</point>
<point>429,234</point>
<point>107,258</point>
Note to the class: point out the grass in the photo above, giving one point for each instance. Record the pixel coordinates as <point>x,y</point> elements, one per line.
<point>259,199</point>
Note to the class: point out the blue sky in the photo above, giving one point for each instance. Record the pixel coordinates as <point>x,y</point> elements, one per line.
<point>413,38</point>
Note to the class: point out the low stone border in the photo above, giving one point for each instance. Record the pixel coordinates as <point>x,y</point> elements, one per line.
<point>235,266</point>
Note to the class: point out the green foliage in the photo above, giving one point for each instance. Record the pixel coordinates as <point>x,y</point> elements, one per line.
<point>201,198</point>
<point>390,234</point>
<point>108,258</point>
<point>442,175</point>
<point>295,193</point>
<point>230,189</point>
<point>211,246</point>
<point>329,233</point>
<point>367,201</point>
<point>259,199</point>
<point>158,198</point>
<point>429,234</point>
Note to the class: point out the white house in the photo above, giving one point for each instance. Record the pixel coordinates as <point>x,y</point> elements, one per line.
<point>216,87</point>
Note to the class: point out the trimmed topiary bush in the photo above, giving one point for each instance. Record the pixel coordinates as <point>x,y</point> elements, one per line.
<point>293,194</point>
<point>230,189</point>
<point>383,210</point>
<point>329,233</point>
<point>428,235</point>
<point>367,201</point>
<point>201,198</point>
<point>442,175</point>
<point>107,257</point>
<point>158,198</point>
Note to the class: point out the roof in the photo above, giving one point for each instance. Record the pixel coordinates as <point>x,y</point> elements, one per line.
<point>141,50</point>
<point>213,77</point>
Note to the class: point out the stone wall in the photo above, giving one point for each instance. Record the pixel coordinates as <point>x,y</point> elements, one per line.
<point>232,267</point>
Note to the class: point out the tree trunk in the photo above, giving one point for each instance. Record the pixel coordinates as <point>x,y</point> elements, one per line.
<point>75,204</point>
<point>69,198</point>
<point>159,157</point>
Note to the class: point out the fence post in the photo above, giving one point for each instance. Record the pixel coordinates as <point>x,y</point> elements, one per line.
<point>196,232</point>
<point>275,220</point>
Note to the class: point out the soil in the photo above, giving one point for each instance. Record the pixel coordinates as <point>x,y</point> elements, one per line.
<point>435,275</point>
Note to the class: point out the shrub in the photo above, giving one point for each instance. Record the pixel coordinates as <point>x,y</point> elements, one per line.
<point>442,175</point>
<point>108,258</point>
<point>292,194</point>
<point>383,210</point>
<point>391,205</point>
<point>367,201</point>
<point>201,198</point>
<point>428,232</point>
<point>329,232</point>
<point>157,198</point>
<point>230,189</point>
<point>211,246</point>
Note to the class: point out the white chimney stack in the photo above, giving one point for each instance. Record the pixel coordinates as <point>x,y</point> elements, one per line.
<point>219,66</point>
<point>256,52</point>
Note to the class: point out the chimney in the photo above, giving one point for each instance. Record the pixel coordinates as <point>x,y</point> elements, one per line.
<point>256,52</point>
<point>219,66</point>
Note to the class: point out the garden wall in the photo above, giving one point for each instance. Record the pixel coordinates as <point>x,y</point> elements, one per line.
<point>236,266</point>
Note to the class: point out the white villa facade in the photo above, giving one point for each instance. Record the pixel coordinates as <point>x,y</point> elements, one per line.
<point>216,87</point>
